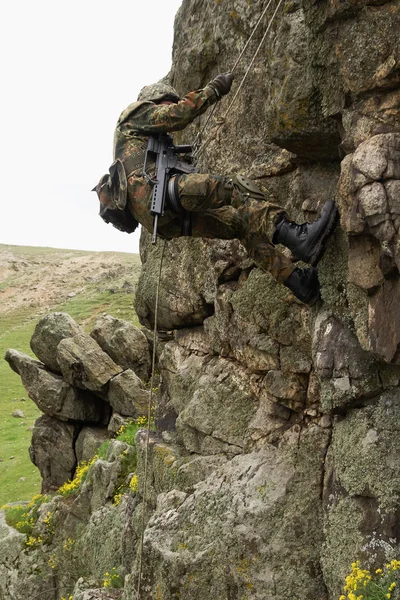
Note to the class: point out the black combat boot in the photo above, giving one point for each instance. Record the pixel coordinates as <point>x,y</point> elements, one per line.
<point>304,284</point>
<point>307,241</point>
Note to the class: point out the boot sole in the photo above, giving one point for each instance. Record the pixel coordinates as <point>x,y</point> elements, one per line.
<point>319,247</point>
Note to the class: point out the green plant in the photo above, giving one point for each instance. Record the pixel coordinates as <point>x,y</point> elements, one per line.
<point>24,517</point>
<point>361,584</point>
<point>113,579</point>
<point>127,433</point>
<point>103,449</point>
<point>73,485</point>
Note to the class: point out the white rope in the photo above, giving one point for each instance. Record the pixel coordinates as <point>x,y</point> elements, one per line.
<point>234,68</point>
<point>149,407</point>
<point>223,119</point>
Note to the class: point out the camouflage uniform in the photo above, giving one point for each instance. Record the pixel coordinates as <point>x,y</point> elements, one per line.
<point>217,208</point>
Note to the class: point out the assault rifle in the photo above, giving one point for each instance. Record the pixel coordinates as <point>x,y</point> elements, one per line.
<point>168,162</point>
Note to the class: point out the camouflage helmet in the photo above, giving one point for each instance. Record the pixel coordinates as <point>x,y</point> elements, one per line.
<point>157,92</point>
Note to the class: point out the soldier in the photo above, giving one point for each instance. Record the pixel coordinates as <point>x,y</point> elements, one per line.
<point>204,205</point>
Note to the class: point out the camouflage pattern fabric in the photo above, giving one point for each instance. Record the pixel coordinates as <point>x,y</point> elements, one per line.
<point>216,206</point>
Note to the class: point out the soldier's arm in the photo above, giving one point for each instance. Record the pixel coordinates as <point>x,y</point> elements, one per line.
<point>150,118</point>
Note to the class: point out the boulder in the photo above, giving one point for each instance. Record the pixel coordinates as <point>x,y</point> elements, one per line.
<point>88,442</point>
<point>84,364</point>
<point>52,451</point>
<point>53,396</point>
<point>124,343</point>
<point>116,422</point>
<point>49,332</point>
<point>127,395</point>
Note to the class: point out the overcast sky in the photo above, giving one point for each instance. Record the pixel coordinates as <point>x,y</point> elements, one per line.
<point>68,71</point>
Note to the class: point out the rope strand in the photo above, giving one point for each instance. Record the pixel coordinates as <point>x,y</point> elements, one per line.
<point>153,365</point>
<point>233,69</point>
<point>222,121</point>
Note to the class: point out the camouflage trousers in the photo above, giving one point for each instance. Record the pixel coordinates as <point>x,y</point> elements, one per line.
<point>217,210</point>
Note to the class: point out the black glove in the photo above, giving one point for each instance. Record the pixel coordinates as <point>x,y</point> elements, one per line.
<point>222,84</point>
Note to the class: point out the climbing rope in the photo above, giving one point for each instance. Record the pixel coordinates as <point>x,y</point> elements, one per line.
<point>149,407</point>
<point>233,69</point>
<point>222,120</point>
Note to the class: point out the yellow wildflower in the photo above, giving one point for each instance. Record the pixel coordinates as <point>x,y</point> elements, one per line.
<point>134,483</point>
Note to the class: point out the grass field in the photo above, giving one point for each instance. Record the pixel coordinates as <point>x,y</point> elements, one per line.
<point>19,478</point>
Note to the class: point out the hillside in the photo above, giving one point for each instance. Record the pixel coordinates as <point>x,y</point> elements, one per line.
<point>33,282</point>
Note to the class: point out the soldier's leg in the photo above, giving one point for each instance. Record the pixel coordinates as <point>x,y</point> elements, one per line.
<point>197,192</point>
<point>227,223</point>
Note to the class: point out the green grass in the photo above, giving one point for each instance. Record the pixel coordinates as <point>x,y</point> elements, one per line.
<point>16,329</point>
<point>14,434</point>
<point>88,305</point>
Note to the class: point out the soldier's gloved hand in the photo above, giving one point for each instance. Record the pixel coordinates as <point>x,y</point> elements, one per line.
<point>222,84</point>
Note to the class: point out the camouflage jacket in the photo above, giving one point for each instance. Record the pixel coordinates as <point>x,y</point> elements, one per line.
<point>141,119</point>
<point>136,123</point>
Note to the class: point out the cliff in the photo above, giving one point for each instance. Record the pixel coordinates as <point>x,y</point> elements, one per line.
<point>275,462</point>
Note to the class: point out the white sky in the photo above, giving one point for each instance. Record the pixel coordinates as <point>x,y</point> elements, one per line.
<point>68,69</point>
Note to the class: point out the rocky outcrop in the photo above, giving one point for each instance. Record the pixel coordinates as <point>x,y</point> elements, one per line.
<point>84,364</point>
<point>85,396</point>
<point>127,394</point>
<point>254,371</point>
<point>275,461</point>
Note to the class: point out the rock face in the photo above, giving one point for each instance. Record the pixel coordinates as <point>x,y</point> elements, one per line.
<point>250,369</point>
<point>275,461</point>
